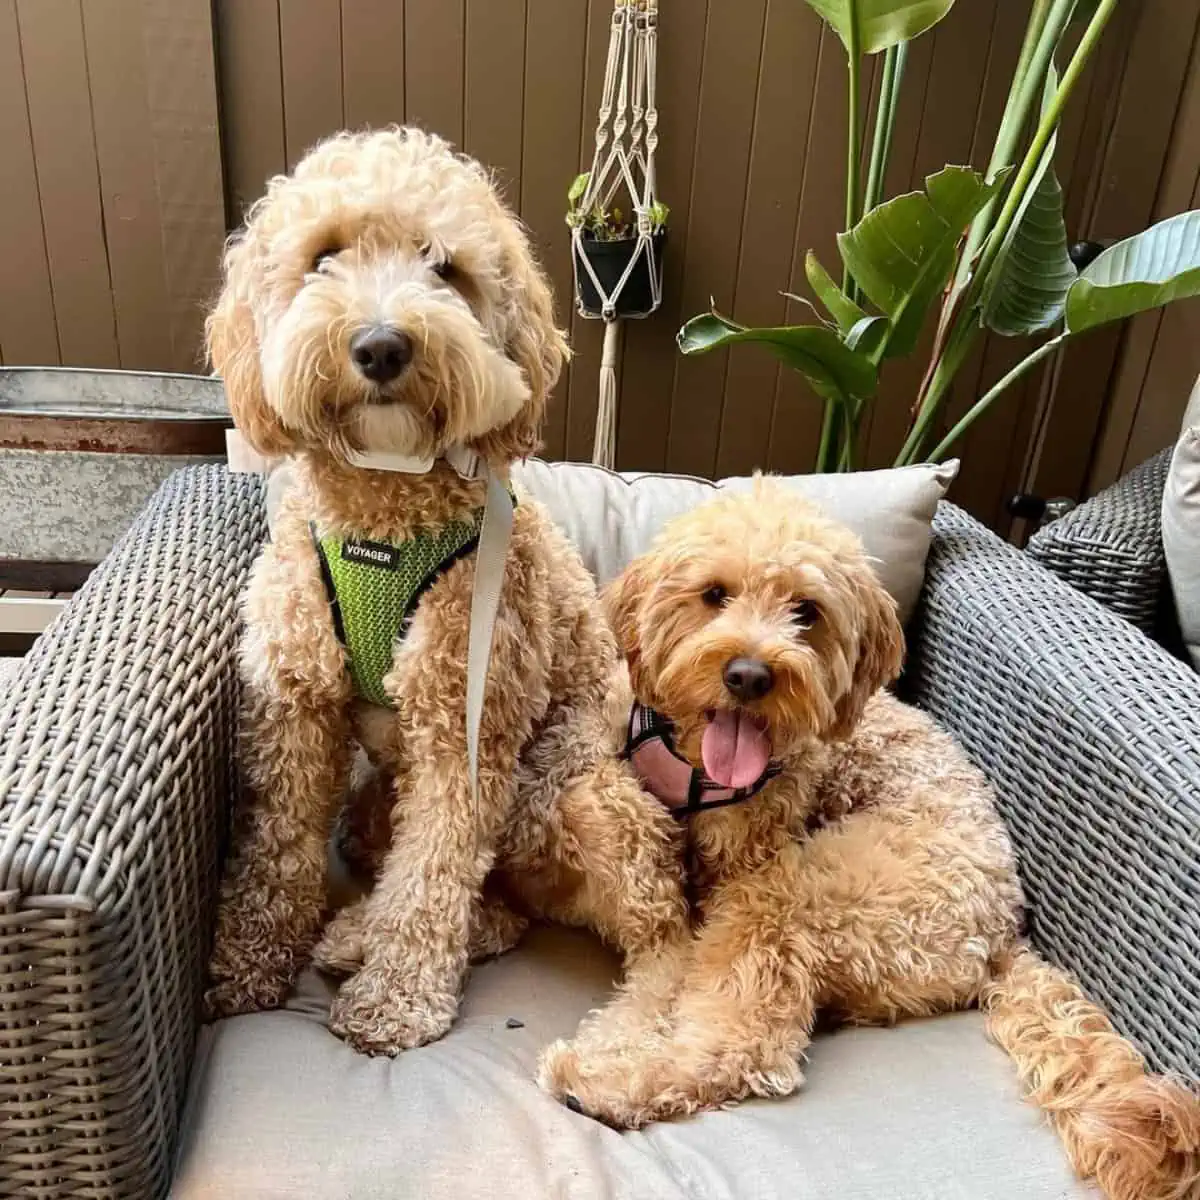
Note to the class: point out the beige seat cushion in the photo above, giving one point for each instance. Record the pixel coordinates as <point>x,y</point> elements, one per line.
<point>281,1110</point>
<point>612,518</point>
<point>1181,527</point>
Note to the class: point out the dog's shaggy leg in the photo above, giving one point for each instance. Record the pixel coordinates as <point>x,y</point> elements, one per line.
<point>631,1025</point>
<point>495,930</point>
<point>418,919</point>
<point>744,1006</point>
<point>295,748</point>
<point>1137,1134</point>
<point>626,850</point>
<point>273,892</point>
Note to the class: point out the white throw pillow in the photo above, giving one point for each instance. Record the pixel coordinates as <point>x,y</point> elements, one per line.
<point>613,518</point>
<point>1181,527</point>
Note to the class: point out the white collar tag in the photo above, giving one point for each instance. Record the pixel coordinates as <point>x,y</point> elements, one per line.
<point>465,462</point>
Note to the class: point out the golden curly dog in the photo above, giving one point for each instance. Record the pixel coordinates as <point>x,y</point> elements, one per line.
<point>868,879</point>
<point>382,297</point>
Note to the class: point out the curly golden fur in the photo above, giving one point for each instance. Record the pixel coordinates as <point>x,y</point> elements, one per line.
<point>392,230</point>
<point>870,881</point>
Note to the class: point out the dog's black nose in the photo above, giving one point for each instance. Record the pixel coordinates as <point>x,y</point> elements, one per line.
<point>748,678</point>
<point>381,353</point>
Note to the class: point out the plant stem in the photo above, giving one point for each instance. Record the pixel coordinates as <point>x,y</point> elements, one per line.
<point>984,402</point>
<point>957,347</point>
<point>849,448</point>
<point>853,147</point>
<point>828,429</point>
<point>1045,131</point>
<point>894,61</point>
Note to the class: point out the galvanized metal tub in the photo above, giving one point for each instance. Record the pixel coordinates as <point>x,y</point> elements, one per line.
<point>80,453</point>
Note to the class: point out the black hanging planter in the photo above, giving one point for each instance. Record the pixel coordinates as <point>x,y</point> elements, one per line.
<point>609,260</point>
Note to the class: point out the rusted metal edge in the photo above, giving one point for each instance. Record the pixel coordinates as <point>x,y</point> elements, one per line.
<point>122,435</point>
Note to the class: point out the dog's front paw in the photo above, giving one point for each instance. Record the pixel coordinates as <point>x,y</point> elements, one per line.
<point>628,1088</point>
<point>340,950</point>
<point>600,1086</point>
<point>375,1013</point>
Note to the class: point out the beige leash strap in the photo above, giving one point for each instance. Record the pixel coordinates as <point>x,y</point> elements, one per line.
<point>494,537</point>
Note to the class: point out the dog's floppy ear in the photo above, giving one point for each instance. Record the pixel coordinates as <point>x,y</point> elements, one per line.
<point>536,344</point>
<point>622,599</point>
<point>232,343</point>
<point>880,650</point>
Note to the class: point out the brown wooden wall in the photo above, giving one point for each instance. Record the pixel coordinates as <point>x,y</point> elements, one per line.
<point>111,205</point>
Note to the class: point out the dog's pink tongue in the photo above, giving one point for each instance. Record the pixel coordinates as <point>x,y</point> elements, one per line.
<point>735,749</point>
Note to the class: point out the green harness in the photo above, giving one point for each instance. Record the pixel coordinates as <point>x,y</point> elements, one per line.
<point>374,588</point>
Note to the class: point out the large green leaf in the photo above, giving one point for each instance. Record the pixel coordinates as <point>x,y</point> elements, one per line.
<point>881,23</point>
<point>840,307</point>
<point>1026,288</point>
<point>818,353</point>
<point>1140,273</point>
<point>902,253</point>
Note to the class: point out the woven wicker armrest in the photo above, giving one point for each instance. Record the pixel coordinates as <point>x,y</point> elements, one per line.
<point>1111,547</point>
<point>1090,734</point>
<point>116,762</point>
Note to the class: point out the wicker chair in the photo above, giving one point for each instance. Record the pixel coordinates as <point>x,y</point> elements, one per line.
<point>116,768</point>
<point>1110,548</point>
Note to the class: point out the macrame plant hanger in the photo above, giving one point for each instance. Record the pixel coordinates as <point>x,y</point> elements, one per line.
<point>623,162</point>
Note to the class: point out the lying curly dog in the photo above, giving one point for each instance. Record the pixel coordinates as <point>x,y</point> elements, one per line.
<point>383,299</point>
<point>846,857</point>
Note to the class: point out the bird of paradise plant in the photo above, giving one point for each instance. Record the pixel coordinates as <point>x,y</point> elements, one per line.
<point>987,249</point>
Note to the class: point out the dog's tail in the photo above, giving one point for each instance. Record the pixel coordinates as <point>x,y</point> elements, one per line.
<point>1137,1134</point>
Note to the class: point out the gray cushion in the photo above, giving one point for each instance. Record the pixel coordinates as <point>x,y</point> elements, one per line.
<point>1181,527</point>
<point>613,518</point>
<point>281,1110</point>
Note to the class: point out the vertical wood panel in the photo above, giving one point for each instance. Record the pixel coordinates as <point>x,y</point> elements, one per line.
<point>129,188</point>
<point>60,119</point>
<point>796,409</point>
<point>373,39</point>
<point>434,46</point>
<point>27,328</point>
<point>649,360</point>
<point>727,104</point>
<point>310,38</point>
<point>785,100</point>
<point>495,97</point>
<point>1160,357</point>
<point>555,36</point>
<point>251,72</point>
<point>182,98</point>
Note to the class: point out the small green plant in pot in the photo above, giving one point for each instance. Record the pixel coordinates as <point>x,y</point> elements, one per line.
<point>609,241</point>
<point>988,250</point>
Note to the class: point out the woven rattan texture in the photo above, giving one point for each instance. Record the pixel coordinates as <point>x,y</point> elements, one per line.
<point>116,755</point>
<point>1090,734</point>
<point>1111,547</point>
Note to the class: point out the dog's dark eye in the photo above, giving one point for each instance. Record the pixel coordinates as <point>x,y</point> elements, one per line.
<point>714,596</point>
<point>445,269</point>
<point>805,613</point>
<point>327,254</point>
